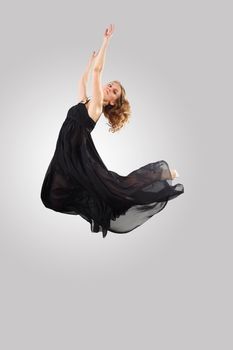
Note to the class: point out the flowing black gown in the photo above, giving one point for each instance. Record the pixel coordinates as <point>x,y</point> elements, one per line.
<point>77,181</point>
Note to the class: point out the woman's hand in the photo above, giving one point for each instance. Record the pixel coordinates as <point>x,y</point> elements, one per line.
<point>92,58</point>
<point>91,61</point>
<point>89,66</point>
<point>109,31</point>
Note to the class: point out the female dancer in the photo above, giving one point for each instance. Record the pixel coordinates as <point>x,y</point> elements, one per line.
<point>78,182</point>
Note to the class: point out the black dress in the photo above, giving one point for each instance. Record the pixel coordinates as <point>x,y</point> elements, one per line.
<point>77,181</point>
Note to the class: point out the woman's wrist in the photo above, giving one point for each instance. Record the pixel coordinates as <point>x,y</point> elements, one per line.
<point>106,40</point>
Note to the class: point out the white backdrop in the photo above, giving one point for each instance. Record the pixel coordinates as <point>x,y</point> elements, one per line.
<point>167,284</point>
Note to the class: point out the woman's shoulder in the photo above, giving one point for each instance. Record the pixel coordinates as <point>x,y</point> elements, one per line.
<point>94,109</point>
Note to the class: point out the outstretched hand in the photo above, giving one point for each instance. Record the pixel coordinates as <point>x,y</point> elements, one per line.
<point>109,31</point>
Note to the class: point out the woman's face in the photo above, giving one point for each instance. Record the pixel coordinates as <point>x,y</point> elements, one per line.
<point>112,92</point>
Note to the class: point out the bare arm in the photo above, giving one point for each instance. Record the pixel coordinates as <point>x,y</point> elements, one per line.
<point>82,85</point>
<point>96,62</point>
<point>100,58</point>
<point>82,90</point>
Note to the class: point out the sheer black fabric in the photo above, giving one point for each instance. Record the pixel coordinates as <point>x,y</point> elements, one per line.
<point>77,182</point>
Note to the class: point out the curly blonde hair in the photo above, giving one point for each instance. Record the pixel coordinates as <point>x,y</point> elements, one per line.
<point>119,114</point>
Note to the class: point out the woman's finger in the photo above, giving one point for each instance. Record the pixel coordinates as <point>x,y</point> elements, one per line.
<point>112,28</point>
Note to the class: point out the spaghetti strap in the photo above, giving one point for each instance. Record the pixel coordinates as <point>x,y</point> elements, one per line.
<point>88,99</point>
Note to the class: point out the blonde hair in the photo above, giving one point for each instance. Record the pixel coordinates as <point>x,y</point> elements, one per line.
<point>119,114</point>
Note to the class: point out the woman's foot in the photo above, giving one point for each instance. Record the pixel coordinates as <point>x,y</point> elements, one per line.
<point>169,174</point>
<point>174,174</point>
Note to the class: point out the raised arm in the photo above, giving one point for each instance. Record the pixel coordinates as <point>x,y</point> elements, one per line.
<point>97,91</point>
<point>82,84</point>
<point>96,62</point>
<point>100,58</point>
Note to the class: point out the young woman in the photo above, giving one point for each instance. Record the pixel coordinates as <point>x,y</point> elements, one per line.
<point>77,181</point>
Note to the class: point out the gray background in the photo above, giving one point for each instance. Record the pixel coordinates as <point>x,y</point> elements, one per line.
<point>167,284</point>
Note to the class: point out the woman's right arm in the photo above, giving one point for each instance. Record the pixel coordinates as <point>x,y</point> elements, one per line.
<point>82,85</point>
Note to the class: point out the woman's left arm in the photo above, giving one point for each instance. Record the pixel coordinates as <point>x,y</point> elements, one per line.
<point>100,59</point>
